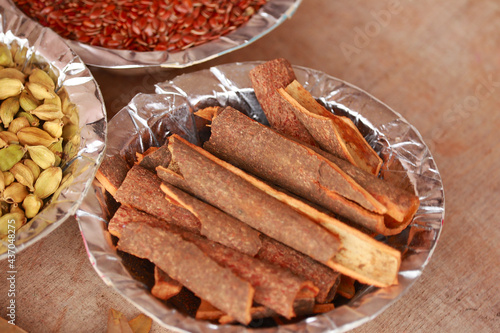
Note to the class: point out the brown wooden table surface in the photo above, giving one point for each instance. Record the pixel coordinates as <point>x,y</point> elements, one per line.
<point>435,62</point>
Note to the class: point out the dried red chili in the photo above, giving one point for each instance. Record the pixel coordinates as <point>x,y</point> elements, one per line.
<point>144,25</point>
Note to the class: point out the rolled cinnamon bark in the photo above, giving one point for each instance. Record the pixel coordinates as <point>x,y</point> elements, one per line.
<point>173,178</point>
<point>154,157</point>
<point>266,79</point>
<point>323,277</point>
<point>260,246</point>
<point>400,202</point>
<point>215,184</point>
<point>275,287</point>
<point>260,150</point>
<point>141,190</point>
<point>335,134</point>
<point>212,223</point>
<point>361,257</point>
<point>217,225</point>
<point>186,263</point>
<point>112,173</point>
<point>126,215</point>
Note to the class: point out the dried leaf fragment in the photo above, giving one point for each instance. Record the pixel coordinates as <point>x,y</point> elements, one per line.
<point>165,287</point>
<point>141,324</point>
<point>117,323</point>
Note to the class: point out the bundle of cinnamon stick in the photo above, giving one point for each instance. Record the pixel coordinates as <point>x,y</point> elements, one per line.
<point>261,221</point>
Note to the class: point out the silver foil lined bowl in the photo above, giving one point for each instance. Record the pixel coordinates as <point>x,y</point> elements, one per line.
<point>152,117</point>
<point>262,22</point>
<point>47,48</point>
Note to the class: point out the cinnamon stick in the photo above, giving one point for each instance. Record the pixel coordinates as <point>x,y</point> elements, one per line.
<point>154,157</point>
<point>112,172</point>
<point>126,215</point>
<point>266,79</point>
<point>141,190</point>
<point>401,203</point>
<point>217,225</point>
<point>275,287</point>
<point>285,162</point>
<point>186,263</point>
<point>323,308</point>
<point>335,134</point>
<point>323,277</point>
<point>346,287</point>
<point>264,248</point>
<point>361,257</point>
<point>211,181</point>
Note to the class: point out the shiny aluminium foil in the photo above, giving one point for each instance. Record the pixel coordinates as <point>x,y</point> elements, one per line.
<point>48,50</point>
<point>150,118</point>
<point>267,18</point>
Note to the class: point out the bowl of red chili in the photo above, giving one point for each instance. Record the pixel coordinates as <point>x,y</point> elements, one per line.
<point>122,34</point>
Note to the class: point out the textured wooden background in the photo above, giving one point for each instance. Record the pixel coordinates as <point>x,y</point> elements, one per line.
<point>435,62</point>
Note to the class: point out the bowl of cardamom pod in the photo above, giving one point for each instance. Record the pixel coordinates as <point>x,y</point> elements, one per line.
<point>52,132</point>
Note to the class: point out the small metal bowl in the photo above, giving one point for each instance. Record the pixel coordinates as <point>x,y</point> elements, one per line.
<point>47,48</point>
<point>268,17</point>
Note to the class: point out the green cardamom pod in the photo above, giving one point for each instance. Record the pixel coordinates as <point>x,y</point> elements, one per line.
<point>71,114</point>
<point>34,136</point>
<point>32,205</point>
<point>42,156</point>
<point>47,112</point>
<point>69,131</point>
<point>70,150</point>
<point>5,56</point>
<point>5,222</point>
<point>2,185</point>
<point>8,110</point>
<point>8,178</point>
<point>10,87</point>
<point>10,155</point>
<point>54,128</point>
<point>56,101</point>
<point>15,193</point>
<point>32,119</point>
<point>15,208</point>
<point>17,124</point>
<point>48,182</point>
<point>35,169</point>
<point>23,175</point>
<point>57,149</point>
<point>40,91</point>
<point>27,101</point>
<point>42,77</point>
<point>12,73</point>
<point>9,137</point>
<point>19,54</point>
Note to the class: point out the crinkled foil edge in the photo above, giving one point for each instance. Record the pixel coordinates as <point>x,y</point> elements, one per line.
<point>389,133</point>
<point>83,91</point>
<point>266,19</point>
